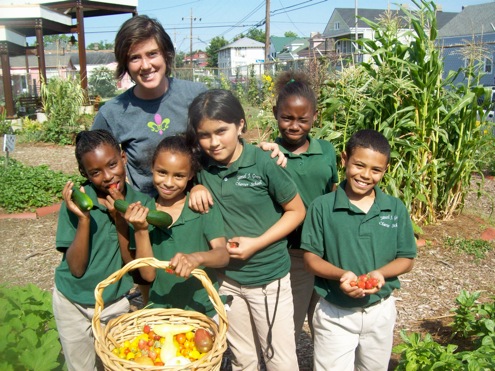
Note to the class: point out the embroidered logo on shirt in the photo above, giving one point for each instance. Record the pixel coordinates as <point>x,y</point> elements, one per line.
<point>248,180</point>
<point>388,221</point>
<point>159,126</point>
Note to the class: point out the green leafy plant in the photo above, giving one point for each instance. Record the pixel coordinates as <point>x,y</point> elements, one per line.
<point>430,121</point>
<point>62,99</point>
<point>24,188</point>
<point>472,320</point>
<point>29,338</point>
<point>102,82</point>
<point>477,247</point>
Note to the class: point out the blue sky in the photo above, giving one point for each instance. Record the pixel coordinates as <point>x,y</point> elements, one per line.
<point>229,18</point>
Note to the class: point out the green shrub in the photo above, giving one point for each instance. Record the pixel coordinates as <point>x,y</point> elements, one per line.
<point>29,339</point>
<point>62,99</point>
<point>102,82</point>
<point>472,320</point>
<point>25,188</point>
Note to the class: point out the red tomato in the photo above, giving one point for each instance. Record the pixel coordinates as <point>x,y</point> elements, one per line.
<point>146,329</point>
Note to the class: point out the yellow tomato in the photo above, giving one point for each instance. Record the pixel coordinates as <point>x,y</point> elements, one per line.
<point>194,354</point>
<point>130,355</point>
<point>189,335</point>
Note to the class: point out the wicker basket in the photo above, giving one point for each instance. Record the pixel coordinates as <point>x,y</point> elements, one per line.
<point>129,325</point>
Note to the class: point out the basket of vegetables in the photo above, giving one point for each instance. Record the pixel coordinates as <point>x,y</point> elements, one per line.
<point>159,338</point>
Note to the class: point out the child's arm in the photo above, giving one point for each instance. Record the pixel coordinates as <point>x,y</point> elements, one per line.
<point>217,257</point>
<point>120,224</point>
<point>294,212</point>
<point>200,199</point>
<point>276,152</point>
<point>393,269</point>
<point>324,269</point>
<point>77,254</point>
<point>136,215</point>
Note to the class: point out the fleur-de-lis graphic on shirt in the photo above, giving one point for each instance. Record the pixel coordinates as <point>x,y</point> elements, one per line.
<point>159,126</point>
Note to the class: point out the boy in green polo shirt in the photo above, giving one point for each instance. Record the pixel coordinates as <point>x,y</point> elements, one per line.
<point>91,248</point>
<point>354,231</point>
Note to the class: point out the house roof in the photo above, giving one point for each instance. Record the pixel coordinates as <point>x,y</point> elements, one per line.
<point>279,42</point>
<point>349,17</point>
<point>95,57</point>
<point>245,42</point>
<point>55,60</point>
<point>472,20</point>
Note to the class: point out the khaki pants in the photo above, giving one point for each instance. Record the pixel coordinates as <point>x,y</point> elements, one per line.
<point>261,322</point>
<point>348,339</point>
<point>303,293</point>
<point>75,332</point>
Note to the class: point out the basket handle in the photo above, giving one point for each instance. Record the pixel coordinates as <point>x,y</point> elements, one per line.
<point>158,264</point>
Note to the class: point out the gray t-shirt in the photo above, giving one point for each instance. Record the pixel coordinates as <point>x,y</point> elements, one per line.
<point>139,125</point>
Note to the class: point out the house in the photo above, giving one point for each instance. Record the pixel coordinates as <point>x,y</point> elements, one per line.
<point>277,45</point>
<point>199,59</point>
<point>292,49</point>
<point>235,58</point>
<point>343,27</point>
<point>471,33</point>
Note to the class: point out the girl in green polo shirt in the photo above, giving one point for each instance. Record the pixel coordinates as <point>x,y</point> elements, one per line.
<point>260,207</point>
<point>92,249</point>
<point>312,164</point>
<point>193,240</point>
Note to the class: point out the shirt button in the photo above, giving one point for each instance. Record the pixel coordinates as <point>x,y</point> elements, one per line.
<point>225,179</point>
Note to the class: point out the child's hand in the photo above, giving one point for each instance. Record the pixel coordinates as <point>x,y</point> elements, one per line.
<point>115,194</point>
<point>241,248</point>
<point>281,160</point>
<point>345,285</point>
<point>381,281</point>
<point>136,215</point>
<point>184,264</point>
<point>67,195</point>
<point>200,199</point>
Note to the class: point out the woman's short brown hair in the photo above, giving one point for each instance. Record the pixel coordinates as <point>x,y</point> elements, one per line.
<point>138,29</point>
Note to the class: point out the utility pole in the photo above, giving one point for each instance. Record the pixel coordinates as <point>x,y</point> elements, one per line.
<point>191,18</point>
<point>267,31</point>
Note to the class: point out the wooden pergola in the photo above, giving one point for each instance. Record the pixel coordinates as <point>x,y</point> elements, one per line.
<point>48,18</point>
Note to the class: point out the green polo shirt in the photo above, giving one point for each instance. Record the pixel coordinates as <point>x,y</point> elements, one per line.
<point>314,172</point>
<point>190,233</point>
<point>342,234</point>
<point>104,251</point>
<point>249,194</point>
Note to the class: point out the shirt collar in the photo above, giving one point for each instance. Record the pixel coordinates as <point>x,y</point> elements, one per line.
<point>342,201</point>
<point>313,149</point>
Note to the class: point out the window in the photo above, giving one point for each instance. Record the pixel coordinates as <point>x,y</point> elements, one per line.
<point>488,65</point>
<point>336,26</point>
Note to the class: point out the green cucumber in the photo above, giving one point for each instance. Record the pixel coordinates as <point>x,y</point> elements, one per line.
<point>155,217</point>
<point>82,200</point>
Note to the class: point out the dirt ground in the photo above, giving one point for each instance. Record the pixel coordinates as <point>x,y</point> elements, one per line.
<point>428,292</point>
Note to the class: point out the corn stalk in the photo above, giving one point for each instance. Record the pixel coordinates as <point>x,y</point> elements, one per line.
<point>430,122</point>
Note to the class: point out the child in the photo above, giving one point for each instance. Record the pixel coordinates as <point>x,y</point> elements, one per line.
<point>92,250</point>
<point>357,230</point>
<point>193,240</point>
<point>312,166</point>
<point>260,207</point>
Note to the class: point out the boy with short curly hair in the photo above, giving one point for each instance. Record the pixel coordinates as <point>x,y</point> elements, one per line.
<point>354,231</point>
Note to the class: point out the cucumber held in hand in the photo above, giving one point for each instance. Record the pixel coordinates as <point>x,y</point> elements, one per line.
<point>82,200</point>
<point>155,217</point>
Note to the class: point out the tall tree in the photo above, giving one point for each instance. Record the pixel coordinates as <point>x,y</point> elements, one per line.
<point>290,34</point>
<point>216,44</point>
<point>253,33</point>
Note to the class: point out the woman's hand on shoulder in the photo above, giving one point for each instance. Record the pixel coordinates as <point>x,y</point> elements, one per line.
<point>276,152</point>
<point>200,199</point>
